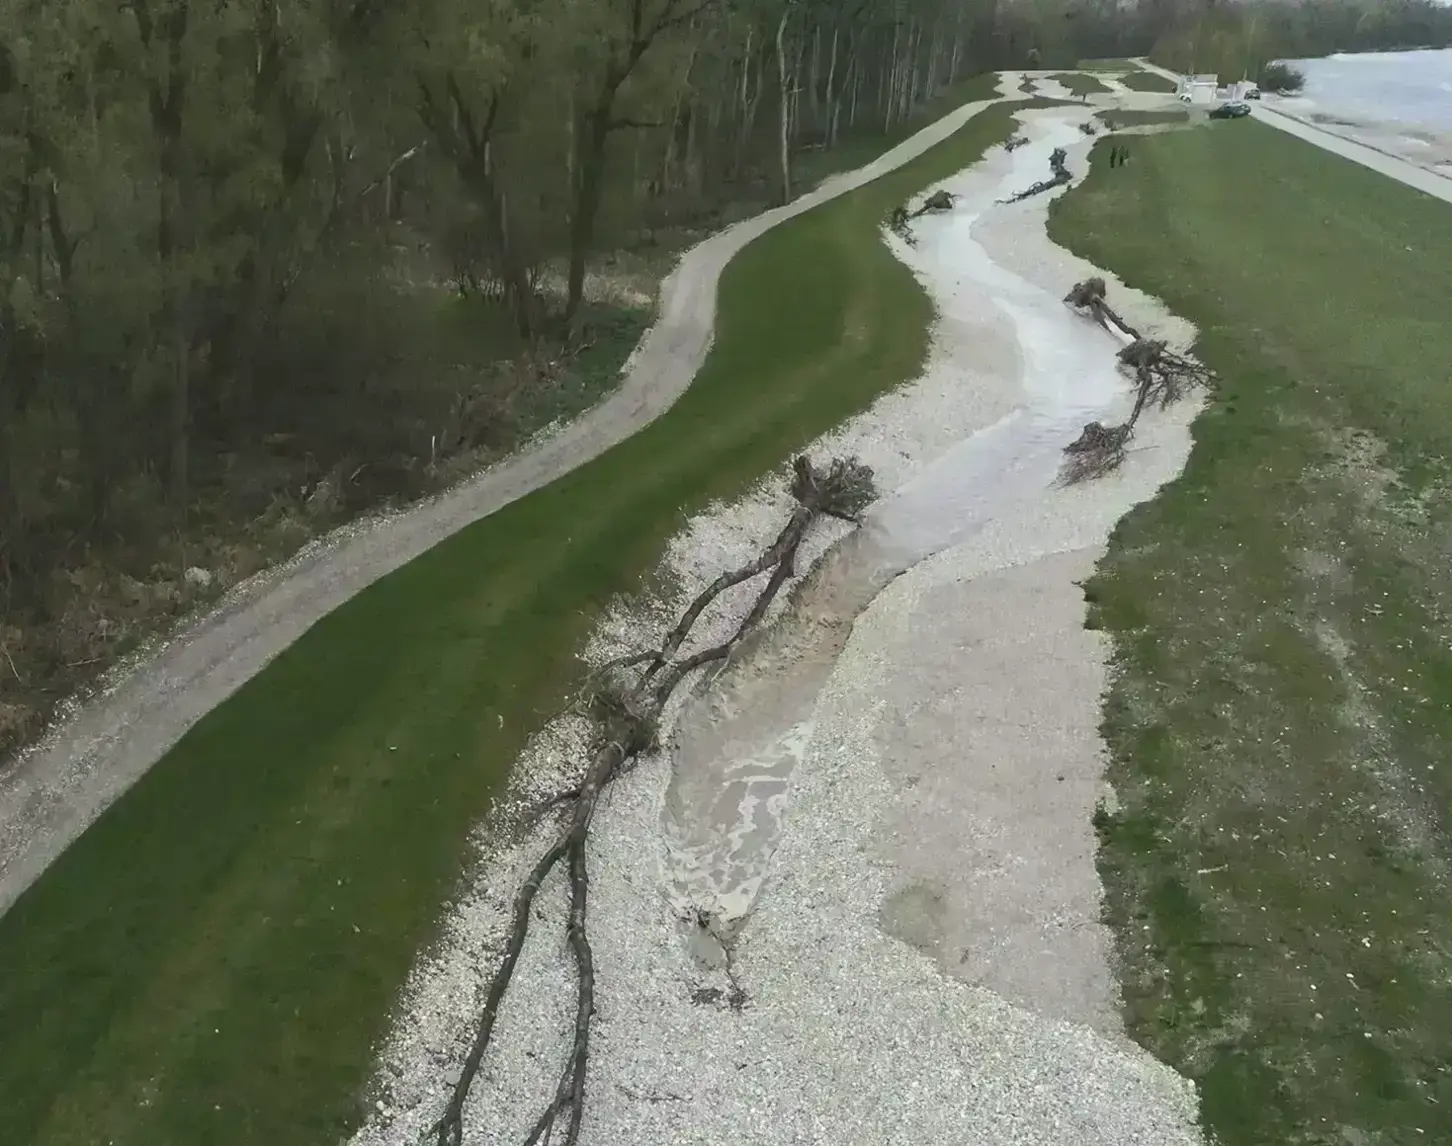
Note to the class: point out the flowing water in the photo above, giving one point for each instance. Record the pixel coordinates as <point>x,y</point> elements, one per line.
<point>738,744</point>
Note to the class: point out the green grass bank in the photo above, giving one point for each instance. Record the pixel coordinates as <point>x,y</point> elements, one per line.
<point>1142,81</point>
<point>214,961</point>
<point>1080,84</point>
<point>1277,869</point>
<point>1109,64</point>
<point>1129,117</point>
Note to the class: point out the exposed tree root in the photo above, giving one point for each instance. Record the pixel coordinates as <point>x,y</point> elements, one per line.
<point>628,716</point>
<point>1160,374</point>
<point>1171,375</point>
<point>901,219</point>
<point>1089,297</point>
<point>1058,165</point>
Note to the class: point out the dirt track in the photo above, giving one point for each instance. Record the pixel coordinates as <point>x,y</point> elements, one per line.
<point>54,791</point>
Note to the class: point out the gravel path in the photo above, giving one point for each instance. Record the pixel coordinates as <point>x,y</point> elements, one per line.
<point>52,792</point>
<point>925,963</point>
<point>1392,166</point>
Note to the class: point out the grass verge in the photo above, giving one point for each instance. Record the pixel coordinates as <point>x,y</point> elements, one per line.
<point>1108,65</point>
<point>1126,117</point>
<point>1142,81</point>
<point>214,961</point>
<point>1277,869</point>
<point>1080,84</point>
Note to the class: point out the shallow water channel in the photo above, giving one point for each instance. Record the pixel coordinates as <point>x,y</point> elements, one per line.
<point>738,743</point>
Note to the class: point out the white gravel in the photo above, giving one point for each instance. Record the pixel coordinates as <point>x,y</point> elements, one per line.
<point>926,962</point>
<point>51,793</point>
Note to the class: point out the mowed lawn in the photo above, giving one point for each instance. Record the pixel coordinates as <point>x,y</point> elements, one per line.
<point>1109,64</point>
<point>214,961</point>
<point>1080,84</point>
<point>1142,81</point>
<point>1279,869</point>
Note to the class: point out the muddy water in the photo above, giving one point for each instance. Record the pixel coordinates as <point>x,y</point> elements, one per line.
<point>739,743</point>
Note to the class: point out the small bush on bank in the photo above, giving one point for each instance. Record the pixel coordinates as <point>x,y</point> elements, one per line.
<point>1280,77</point>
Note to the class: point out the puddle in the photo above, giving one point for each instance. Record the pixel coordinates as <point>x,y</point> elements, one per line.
<point>739,742</point>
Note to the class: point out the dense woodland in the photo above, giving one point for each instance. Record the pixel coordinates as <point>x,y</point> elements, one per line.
<point>269,261</point>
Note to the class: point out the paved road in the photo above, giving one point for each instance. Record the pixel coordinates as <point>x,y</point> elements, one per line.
<point>1392,166</point>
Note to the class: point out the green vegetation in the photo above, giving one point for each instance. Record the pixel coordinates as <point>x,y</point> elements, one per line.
<point>215,959</point>
<point>1277,866</point>
<point>1280,77</point>
<point>1127,117</point>
<point>1147,82</point>
<point>1109,65</point>
<point>318,260</point>
<point>1080,85</point>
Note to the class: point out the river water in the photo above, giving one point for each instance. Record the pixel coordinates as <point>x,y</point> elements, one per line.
<point>737,745</point>
<point>1408,89</point>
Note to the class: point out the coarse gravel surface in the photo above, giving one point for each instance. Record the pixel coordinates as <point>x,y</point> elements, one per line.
<point>924,960</point>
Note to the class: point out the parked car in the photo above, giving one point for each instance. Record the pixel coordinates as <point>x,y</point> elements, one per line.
<point>1230,111</point>
<point>1253,93</point>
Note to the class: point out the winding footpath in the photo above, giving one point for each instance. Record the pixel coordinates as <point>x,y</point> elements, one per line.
<point>54,791</point>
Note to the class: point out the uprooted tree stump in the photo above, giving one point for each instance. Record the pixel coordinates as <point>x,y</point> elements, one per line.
<point>1170,375</point>
<point>901,219</point>
<point>1089,297</point>
<point>939,200</point>
<point>1058,165</point>
<point>901,224</point>
<point>1161,376</point>
<point>627,711</point>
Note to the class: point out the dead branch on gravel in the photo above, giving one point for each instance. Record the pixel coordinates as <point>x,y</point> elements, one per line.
<point>900,222</point>
<point>1089,297</point>
<point>627,714</point>
<point>1014,142</point>
<point>1160,376</point>
<point>1058,165</point>
<point>901,218</point>
<point>1171,375</point>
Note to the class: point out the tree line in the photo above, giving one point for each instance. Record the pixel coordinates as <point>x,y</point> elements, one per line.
<point>1235,40</point>
<point>257,249</point>
<point>243,240</point>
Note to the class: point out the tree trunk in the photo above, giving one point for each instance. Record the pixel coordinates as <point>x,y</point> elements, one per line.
<point>589,194</point>
<point>814,107</point>
<point>180,463</point>
<point>783,137</point>
<point>833,96</point>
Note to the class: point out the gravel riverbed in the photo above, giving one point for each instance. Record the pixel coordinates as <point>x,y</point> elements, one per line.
<point>925,961</point>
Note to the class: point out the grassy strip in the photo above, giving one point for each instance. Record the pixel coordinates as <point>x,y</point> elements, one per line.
<point>214,961</point>
<point>1143,81</point>
<point>1125,117</point>
<point>1080,84</point>
<point>1278,867</point>
<point>1108,65</point>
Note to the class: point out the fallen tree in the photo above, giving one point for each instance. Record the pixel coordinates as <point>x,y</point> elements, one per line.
<point>1058,165</point>
<point>627,710</point>
<point>901,219</point>
<point>1160,376</point>
<point>1089,297</point>
<point>1170,375</point>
